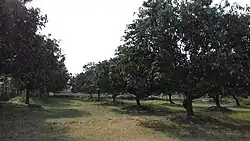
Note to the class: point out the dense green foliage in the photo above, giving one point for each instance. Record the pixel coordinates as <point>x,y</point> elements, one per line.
<point>194,48</point>
<point>33,62</point>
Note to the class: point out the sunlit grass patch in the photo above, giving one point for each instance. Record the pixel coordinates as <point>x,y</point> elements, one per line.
<point>240,116</point>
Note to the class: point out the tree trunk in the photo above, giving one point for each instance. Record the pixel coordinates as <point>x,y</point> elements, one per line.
<point>138,101</point>
<point>113,97</point>
<point>236,100</point>
<point>188,105</point>
<point>170,99</point>
<point>91,95</point>
<point>6,96</point>
<point>27,101</point>
<point>217,100</point>
<point>2,92</point>
<point>19,91</point>
<point>99,96</point>
<point>41,93</point>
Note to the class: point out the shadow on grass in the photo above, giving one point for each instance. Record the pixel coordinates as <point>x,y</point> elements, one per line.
<point>23,123</point>
<point>202,127</point>
<point>218,109</point>
<point>57,102</point>
<point>127,108</point>
<point>202,107</point>
<point>172,129</point>
<point>146,110</point>
<point>205,126</point>
<point>114,104</point>
<point>173,105</point>
<point>198,106</point>
<point>65,113</point>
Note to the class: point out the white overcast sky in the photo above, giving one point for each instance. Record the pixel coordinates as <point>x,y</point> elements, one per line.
<point>89,30</point>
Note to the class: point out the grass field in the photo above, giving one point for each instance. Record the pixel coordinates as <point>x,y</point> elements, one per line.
<point>61,119</point>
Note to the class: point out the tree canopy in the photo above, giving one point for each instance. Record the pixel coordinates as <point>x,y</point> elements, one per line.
<point>35,61</point>
<point>192,47</point>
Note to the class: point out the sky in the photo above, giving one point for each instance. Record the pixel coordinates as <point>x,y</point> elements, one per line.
<point>89,30</point>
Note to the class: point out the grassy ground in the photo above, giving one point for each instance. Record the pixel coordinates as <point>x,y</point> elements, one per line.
<point>61,119</point>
